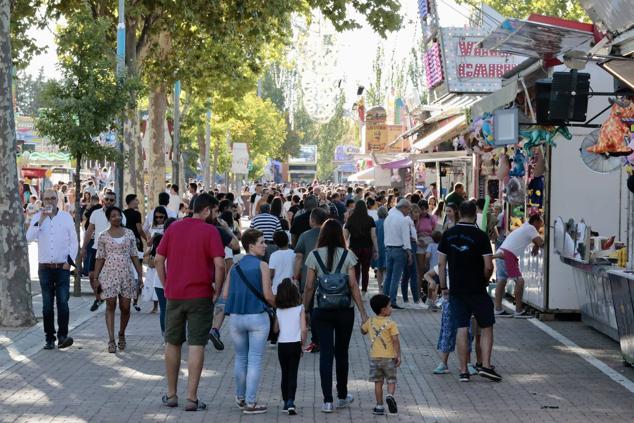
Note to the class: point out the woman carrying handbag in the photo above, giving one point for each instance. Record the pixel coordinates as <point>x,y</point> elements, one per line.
<point>249,299</point>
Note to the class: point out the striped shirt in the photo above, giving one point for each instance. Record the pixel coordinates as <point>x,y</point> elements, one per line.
<point>267,223</point>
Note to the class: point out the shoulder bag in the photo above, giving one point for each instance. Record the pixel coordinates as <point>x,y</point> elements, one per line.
<point>267,307</point>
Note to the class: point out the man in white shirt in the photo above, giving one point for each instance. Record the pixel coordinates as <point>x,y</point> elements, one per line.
<point>98,223</point>
<point>54,232</point>
<point>175,199</point>
<point>282,261</point>
<point>508,263</point>
<point>398,248</point>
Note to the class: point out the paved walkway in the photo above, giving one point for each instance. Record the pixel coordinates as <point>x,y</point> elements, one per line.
<point>543,380</point>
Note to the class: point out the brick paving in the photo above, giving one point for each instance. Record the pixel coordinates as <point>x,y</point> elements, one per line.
<point>543,382</point>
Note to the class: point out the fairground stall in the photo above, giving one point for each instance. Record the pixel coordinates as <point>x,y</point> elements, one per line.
<point>567,118</point>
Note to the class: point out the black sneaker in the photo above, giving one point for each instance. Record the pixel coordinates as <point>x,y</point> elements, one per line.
<point>391,404</point>
<point>214,337</point>
<point>397,307</point>
<point>291,408</point>
<point>50,345</point>
<point>95,305</point>
<point>378,410</point>
<point>478,367</point>
<point>504,314</point>
<point>489,374</point>
<point>65,342</point>
<point>464,377</point>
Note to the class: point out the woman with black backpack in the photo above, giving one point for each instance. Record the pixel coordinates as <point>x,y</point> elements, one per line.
<point>331,277</point>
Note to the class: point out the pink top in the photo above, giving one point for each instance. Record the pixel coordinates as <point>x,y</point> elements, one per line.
<point>426,224</point>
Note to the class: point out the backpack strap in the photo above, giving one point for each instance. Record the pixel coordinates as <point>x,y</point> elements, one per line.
<point>320,263</point>
<point>341,261</point>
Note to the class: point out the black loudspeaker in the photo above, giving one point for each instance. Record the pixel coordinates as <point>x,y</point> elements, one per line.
<point>542,99</point>
<point>569,96</point>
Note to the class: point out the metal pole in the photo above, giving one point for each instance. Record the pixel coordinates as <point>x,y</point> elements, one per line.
<point>207,150</point>
<point>120,74</point>
<point>227,184</point>
<point>177,135</point>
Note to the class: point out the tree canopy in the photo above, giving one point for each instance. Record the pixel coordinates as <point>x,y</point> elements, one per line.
<point>567,9</point>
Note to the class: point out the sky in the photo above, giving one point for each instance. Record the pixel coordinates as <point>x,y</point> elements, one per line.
<point>357,49</point>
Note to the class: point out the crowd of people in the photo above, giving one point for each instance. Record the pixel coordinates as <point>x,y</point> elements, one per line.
<point>303,265</point>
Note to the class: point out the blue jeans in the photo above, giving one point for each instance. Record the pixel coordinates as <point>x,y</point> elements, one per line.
<point>249,333</point>
<point>395,263</point>
<point>160,293</point>
<point>55,284</point>
<point>410,274</point>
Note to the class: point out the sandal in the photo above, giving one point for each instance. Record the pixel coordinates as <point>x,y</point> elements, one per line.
<point>112,347</point>
<point>170,401</point>
<point>195,405</point>
<point>122,342</point>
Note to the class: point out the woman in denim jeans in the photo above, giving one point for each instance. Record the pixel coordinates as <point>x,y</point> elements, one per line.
<point>249,319</point>
<point>333,325</point>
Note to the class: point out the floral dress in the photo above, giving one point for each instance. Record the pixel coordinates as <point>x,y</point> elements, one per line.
<point>117,276</point>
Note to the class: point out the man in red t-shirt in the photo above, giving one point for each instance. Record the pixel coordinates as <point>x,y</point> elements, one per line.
<point>195,256</point>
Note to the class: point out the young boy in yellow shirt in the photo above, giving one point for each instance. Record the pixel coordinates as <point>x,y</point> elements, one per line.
<point>385,352</point>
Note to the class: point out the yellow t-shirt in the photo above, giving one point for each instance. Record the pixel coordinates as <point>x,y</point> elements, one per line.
<point>381,346</point>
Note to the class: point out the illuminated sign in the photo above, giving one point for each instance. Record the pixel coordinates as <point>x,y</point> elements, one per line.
<point>469,68</point>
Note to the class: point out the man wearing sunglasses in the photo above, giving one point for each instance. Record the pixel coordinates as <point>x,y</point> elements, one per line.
<point>98,223</point>
<point>54,232</point>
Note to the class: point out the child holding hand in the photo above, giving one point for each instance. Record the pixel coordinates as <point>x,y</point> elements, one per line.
<point>385,352</point>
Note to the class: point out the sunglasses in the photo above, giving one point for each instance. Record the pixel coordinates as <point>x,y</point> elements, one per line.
<point>50,198</point>
<point>110,200</point>
<point>159,217</point>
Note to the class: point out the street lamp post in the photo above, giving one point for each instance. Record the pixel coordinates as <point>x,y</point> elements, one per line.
<point>120,74</point>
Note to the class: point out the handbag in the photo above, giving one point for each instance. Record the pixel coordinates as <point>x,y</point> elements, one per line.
<point>269,310</point>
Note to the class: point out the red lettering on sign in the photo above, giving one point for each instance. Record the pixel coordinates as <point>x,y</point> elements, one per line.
<point>465,47</point>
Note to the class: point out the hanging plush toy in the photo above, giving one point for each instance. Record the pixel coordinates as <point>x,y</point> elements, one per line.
<point>487,130</point>
<point>503,167</point>
<point>538,135</point>
<point>518,164</point>
<point>538,163</point>
<point>615,133</point>
<point>514,191</point>
<point>487,167</point>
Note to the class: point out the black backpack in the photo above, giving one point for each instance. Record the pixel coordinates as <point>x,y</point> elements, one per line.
<point>333,291</point>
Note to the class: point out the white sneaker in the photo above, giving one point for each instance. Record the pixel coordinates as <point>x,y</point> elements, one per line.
<point>327,407</point>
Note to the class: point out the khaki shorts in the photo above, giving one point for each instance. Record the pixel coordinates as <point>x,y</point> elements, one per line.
<point>194,316</point>
<point>383,369</point>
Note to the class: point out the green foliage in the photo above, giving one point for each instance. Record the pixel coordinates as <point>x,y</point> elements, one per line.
<point>29,92</point>
<point>24,15</point>
<point>416,72</point>
<point>331,134</point>
<point>87,100</point>
<point>375,93</point>
<point>567,9</point>
<point>382,15</point>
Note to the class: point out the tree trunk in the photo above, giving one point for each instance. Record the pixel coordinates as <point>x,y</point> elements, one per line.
<point>156,159</point>
<point>16,308</point>
<point>78,216</point>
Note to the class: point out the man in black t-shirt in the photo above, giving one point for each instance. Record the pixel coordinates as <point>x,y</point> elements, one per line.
<point>467,251</point>
<point>133,219</point>
<point>301,222</point>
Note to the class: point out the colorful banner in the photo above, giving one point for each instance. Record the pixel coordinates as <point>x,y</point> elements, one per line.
<point>376,136</point>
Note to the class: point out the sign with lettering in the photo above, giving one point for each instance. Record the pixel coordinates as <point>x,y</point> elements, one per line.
<point>376,129</point>
<point>469,68</point>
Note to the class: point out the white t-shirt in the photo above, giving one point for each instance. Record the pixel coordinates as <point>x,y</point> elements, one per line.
<point>517,241</point>
<point>98,218</point>
<point>289,321</point>
<point>374,214</point>
<point>228,253</point>
<point>282,261</point>
<point>175,203</point>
